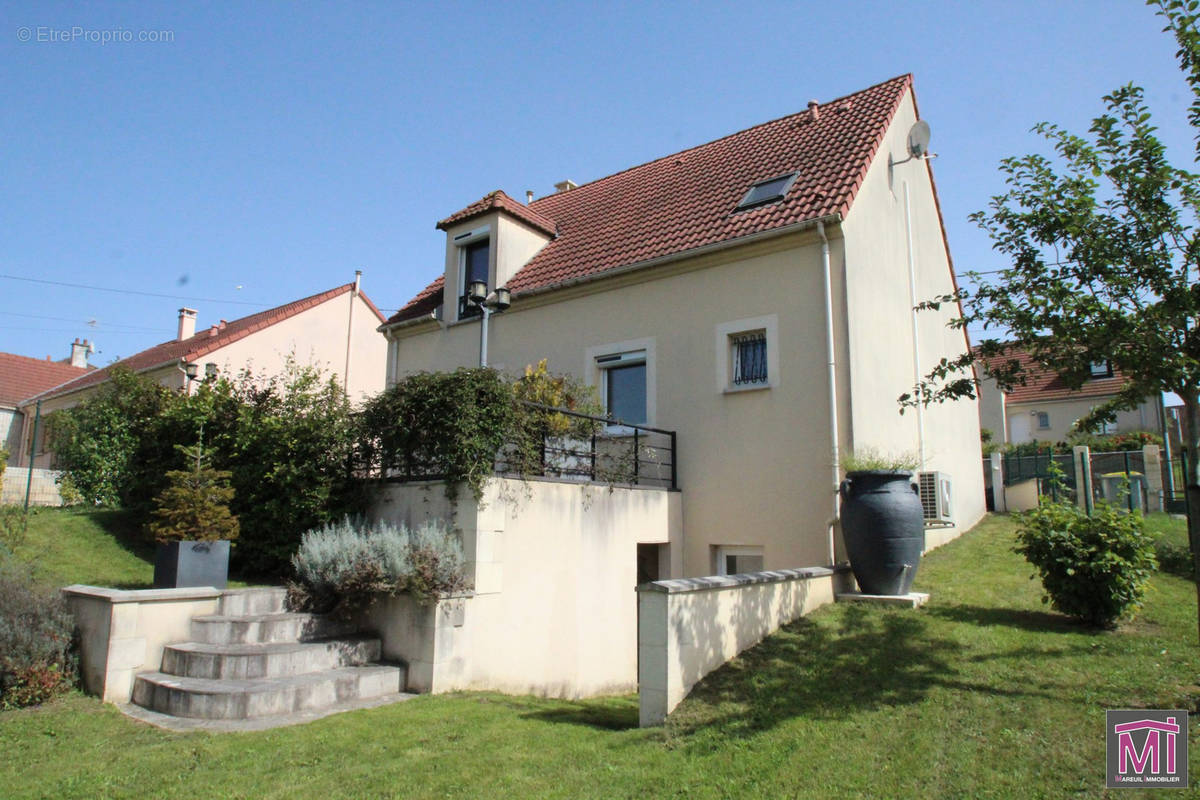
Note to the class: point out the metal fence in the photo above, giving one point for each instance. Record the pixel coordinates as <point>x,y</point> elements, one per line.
<point>620,453</point>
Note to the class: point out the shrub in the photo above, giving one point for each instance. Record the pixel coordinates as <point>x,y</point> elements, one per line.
<point>286,439</point>
<point>195,507</point>
<point>35,639</point>
<point>869,459</point>
<point>117,443</point>
<point>3,464</point>
<point>1092,568</point>
<point>448,425</point>
<point>346,564</point>
<point>14,522</point>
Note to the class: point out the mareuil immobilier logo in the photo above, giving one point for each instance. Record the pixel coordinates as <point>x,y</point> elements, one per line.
<point>1147,748</point>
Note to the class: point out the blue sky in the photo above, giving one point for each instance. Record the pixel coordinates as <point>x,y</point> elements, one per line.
<point>263,153</point>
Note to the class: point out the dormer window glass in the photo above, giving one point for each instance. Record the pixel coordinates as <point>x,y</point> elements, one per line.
<point>474,258</point>
<point>768,191</point>
<point>1101,369</point>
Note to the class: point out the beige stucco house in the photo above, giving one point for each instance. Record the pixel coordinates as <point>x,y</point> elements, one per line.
<point>753,294</point>
<point>1045,408</point>
<point>334,330</point>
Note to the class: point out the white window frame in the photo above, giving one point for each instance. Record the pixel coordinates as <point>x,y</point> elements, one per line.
<point>727,332</point>
<point>1100,369</point>
<point>724,550</point>
<point>461,241</point>
<point>638,350</point>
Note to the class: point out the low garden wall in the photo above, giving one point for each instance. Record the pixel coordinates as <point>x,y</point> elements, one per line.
<point>552,567</point>
<point>122,633</point>
<point>689,627</point>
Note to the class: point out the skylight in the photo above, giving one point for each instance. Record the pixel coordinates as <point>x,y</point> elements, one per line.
<point>769,191</point>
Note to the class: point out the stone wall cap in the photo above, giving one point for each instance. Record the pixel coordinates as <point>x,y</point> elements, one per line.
<point>680,585</point>
<point>142,595</point>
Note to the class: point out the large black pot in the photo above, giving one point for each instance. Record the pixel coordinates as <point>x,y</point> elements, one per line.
<point>884,529</point>
<point>179,564</point>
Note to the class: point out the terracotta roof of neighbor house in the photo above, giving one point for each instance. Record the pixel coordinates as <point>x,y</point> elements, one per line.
<point>1042,385</point>
<point>21,376</point>
<point>689,199</point>
<point>207,340</point>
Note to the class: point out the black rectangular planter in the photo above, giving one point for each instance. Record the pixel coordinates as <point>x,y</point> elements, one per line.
<point>179,564</point>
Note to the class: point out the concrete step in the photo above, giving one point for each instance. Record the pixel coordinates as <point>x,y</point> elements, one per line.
<point>277,660</point>
<point>205,698</point>
<point>267,628</point>
<point>260,600</point>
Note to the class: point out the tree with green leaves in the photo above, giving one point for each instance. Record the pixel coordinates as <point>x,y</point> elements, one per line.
<point>1103,241</point>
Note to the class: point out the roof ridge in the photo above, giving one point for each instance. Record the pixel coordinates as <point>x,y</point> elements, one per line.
<point>906,77</point>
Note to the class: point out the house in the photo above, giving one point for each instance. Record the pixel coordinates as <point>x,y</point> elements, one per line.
<point>745,309</point>
<point>1045,408</point>
<point>334,330</point>
<point>22,377</point>
<point>753,294</point>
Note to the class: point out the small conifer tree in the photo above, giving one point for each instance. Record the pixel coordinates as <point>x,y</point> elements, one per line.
<point>195,504</point>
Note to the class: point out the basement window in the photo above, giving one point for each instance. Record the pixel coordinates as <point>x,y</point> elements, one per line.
<point>766,192</point>
<point>739,560</point>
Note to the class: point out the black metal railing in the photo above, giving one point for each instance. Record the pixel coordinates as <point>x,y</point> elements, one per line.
<point>619,453</point>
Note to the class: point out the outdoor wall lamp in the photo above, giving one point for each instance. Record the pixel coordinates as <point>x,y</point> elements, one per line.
<point>192,370</point>
<point>488,304</point>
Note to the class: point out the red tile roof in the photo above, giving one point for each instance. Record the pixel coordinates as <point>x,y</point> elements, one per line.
<point>21,377</point>
<point>499,201</point>
<point>208,339</point>
<point>688,200</point>
<point>1042,385</point>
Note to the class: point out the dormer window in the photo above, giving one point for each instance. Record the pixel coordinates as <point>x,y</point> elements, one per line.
<point>474,257</point>
<point>1101,369</point>
<point>767,192</point>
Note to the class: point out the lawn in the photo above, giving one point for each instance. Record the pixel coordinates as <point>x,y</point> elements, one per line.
<point>99,547</point>
<point>983,693</point>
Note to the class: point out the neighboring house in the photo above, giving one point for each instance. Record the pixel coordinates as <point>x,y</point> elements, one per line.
<point>334,330</point>
<point>691,291</point>
<point>1045,409</point>
<point>22,377</point>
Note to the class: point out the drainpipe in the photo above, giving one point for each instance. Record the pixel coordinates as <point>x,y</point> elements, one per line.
<point>831,366</point>
<point>912,305</point>
<point>350,328</point>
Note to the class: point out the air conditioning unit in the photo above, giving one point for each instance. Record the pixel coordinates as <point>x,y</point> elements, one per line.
<point>935,498</point>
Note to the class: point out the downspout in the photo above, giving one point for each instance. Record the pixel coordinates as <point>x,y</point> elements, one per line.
<point>350,328</point>
<point>912,305</point>
<point>831,366</point>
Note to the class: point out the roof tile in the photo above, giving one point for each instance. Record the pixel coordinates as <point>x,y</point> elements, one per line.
<point>689,199</point>
<point>21,377</point>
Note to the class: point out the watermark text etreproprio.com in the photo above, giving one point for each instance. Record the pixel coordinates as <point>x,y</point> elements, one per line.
<point>76,34</point>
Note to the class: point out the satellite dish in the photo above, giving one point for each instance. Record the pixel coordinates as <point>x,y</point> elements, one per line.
<point>918,139</point>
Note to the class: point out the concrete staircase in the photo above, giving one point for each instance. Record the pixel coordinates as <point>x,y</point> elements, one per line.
<point>255,660</point>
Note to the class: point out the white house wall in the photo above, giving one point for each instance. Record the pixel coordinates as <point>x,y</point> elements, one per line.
<point>1063,414</point>
<point>316,337</point>
<point>880,325</point>
<point>753,465</point>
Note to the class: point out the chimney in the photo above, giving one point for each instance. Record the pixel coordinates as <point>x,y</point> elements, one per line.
<point>528,196</point>
<point>565,186</point>
<point>187,323</point>
<point>79,352</point>
<point>814,109</point>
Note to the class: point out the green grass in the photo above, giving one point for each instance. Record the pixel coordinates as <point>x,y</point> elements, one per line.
<point>984,693</point>
<point>96,547</point>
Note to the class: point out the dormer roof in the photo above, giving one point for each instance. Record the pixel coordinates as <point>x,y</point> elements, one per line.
<point>499,201</point>
<point>690,200</point>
